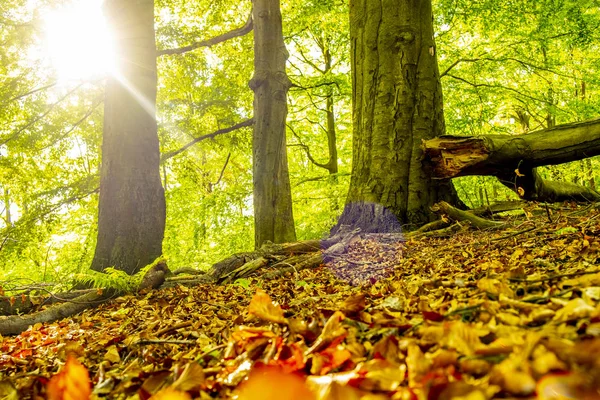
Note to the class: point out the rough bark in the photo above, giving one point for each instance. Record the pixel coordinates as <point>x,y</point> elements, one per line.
<point>15,324</point>
<point>513,158</point>
<point>397,103</point>
<point>273,217</point>
<point>131,218</point>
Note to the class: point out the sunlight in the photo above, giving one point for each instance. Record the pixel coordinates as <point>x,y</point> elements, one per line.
<point>78,41</point>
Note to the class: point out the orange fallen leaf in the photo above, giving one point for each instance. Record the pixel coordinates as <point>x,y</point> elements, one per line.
<point>262,306</point>
<point>270,383</point>
<point>72,383</point>
<point>171,394</point>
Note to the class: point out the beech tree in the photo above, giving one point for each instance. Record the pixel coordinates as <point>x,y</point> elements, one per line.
<point>396,103</point>
<point>131,217</point>
<point>273,217</point>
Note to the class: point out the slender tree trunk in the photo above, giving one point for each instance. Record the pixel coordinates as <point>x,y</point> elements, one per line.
<point>332,164</point>
<point>273,217</point>
<point>131,219</point>
<point>397,103</point>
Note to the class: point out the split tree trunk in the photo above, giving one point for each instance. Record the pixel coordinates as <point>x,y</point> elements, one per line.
<point>273,217</point>
<point>396,103</point>
<point>131,218</point>
<point>513,158</point>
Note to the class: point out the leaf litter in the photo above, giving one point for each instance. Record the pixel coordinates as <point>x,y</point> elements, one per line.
<point>478,315</point>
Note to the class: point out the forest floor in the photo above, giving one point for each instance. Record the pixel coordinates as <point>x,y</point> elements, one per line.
<point>507,313</point>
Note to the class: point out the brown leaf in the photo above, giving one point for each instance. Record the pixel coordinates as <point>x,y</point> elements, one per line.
<point>262,306</point>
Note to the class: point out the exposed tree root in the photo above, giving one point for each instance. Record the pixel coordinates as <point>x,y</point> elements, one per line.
<point>15,324</point>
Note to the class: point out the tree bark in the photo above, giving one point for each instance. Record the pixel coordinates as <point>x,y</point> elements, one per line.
<point>513,158</point>
<point>273,217</point>
<point>131,218</point>
<point>397,103</point>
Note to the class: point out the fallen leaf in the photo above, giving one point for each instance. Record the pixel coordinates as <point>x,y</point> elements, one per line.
<point>71,383</point>
<point>262,306</point>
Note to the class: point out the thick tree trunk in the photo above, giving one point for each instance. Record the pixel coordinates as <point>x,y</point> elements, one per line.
<point>273,217</point>
<point>131,217</point>
<point>397,103</point>
<point>513,158</point>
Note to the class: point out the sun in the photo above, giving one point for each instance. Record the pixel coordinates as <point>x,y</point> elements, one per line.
<point>78,41</point>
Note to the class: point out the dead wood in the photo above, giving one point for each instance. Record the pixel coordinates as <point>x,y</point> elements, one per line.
<point>459,215</point>
<point>28,302</point>
<point>188,270</point>
<point>514,158</point>
<point>499,207</point>
<point>15,324</point>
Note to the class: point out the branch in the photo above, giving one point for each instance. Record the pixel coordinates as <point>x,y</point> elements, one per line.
<point>76,124</point>
<point>40,117</point>
<point>212,41</point>
<point>307,150</point>
<point>294,85</point>
<point>32,92</point>
<point>222,170</point>
<point>320,178</point>
<point>477,85</point>
<point>170,154</point>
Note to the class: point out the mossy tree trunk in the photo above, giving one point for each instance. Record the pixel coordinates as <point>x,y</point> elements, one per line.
<point>131,218</point>
<point>273,217</point>
<point>397,103</point>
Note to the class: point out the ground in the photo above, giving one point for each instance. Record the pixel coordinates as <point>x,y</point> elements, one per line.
<point>504,313</point>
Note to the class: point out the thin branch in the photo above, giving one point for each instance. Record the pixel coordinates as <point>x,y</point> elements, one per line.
<point>455,63</point>
<point>307,150</point>
<point>222,170</point>
<point>212,41</point>
<point>477,85</point>
<point>32,92</point>
<point>76,124</point>
<point>316,86</point>
<point>320,178</point>
<point>248,122</point>
<point>504,59</point>
<point>40,117</point>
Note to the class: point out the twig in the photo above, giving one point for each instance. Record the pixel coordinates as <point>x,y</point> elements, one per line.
<point>552,277</point>
<point>517,233</point>
<point>167,341</point>
<point>173,328</point>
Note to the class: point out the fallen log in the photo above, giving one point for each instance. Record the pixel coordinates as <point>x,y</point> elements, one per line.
<point>514,158</point>
<point>15,324</point>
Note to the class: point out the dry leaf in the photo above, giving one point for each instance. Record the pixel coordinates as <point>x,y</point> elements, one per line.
<point>72,383</point>
<point>171,394</point>
<point>262,306</point>
<point>270,383</point>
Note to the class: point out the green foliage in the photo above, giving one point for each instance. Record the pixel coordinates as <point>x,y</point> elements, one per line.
<point>110,279</point>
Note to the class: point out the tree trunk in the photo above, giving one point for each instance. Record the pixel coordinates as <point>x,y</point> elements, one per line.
<point>273,217</point>
<point>513,158</point>
<point>397,103</point>
<point>131,218</point>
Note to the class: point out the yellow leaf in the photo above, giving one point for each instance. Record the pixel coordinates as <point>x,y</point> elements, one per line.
<point>112,355</point>
<point>495,287</point>
<point>191,378</point>
<point>262,306</point>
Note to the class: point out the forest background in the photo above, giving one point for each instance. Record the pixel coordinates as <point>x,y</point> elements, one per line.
<point>506,67</point>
